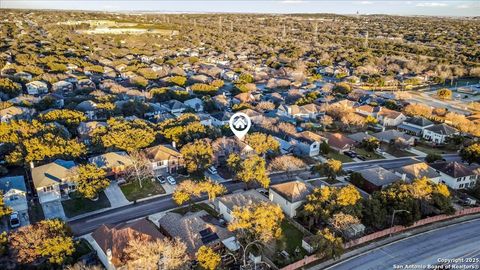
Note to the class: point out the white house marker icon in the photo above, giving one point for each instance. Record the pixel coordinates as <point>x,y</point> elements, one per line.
<point>240,124</point>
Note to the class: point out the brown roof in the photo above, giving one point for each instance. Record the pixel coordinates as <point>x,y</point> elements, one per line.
<point>162,152</point>
<point>293,191</point>
<point>366,108</point>
<point>310,136</point>
<point>116,237</point>
<point>389,113</point>
<point>338,140</point>
<point>453,169</point>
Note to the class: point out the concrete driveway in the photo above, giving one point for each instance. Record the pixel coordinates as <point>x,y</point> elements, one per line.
<point>215,177</point>
<point>53,209</point>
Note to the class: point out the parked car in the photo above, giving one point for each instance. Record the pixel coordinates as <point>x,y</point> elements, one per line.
<point>160,179</point>
<point>171,180</point>
<point>14,220</point>
<point>212,170</point>
<point>351,154</point>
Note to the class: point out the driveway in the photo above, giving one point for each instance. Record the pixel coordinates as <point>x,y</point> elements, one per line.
<point>168,188</point>
<point>53,209</point>
<point>115,195</point>
<point>215,177</point>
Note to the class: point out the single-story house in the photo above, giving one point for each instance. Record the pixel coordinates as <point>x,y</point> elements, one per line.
<point>195,229</point>
<point>50,180</point>
<point>290,195</point>
<point>110,241</point>
<point>36,88</point>
<point>15,113</point>
<point>339,142</point>
<point>85,130</point>
<point>194,103</point>
<point>377,178</point>
<point>226,204</point>
<point>417,171</point>
<point>394,135</point>
<point>415,125</point>
<point>14,193</point>
<point>114,163</point>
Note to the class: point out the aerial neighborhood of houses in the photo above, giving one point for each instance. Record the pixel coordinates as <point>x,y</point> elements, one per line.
<point>125,142</point>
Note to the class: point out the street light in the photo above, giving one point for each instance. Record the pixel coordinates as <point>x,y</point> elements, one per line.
<point>393,218</point>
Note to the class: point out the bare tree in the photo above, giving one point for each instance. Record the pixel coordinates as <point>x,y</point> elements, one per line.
<point>139,169</point>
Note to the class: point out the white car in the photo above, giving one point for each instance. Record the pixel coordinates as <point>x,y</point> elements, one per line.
<point>212,170</point>
<point>14,220</point>
<point>171,180</point>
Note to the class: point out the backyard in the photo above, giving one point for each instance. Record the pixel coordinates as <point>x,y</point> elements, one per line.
<point>133,191</point>
<point>196,208</point>
<point>291,242</point>
<point>78,205</point>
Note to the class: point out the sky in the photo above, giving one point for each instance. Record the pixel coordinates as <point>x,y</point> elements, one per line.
<point>435,8</point>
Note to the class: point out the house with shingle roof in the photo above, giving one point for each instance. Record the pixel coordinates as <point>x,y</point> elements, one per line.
<point>377,178</point>
<point>439,133</point>
<point>456,175</point>
<point>226,204</point>
<point>390,118</point>
<point>196,229</point>
<point>415,125</point>
<point>14,193</point>
<point>290,195</point>
<point>307,143</point>
<point>114,163</point>
<point>165,159</point>
<point>110,241</point>
<point>50,180</point>
<point>339,142</point>
<point>416,171</point>
<point>85,130</point>
<point>394,135</point>
<point>15,113</point>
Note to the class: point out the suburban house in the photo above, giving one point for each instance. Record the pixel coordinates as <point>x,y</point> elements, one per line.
<point>285,147</point>
<point>221,118</point>
<point>307,143</point>
<point>225,146</point>
<point>392,135</point>
<point>416,171</point>
<point>226,204</point>
<point>50,180</point>
<point>114,163</point>
<point>85,130</point>
<point>308,111</point>
<point>415,125</point>
<point>110,241</point>
<point>360,137</point>
<point>14,193</point>
<point>86,85</point>
<point>455,174</point>
<point>289,196</point>
<point>174,107</point>
<point>439,133</point>
<point>195,103</point>
<point>390,118</point>
<point>376,178</point>
<point>367,110</point>
<point>88,107</point>
<point>62,86</point>
<point>339,142</point>
<point>196,229</point>
<point>165,159</point>
<point>15,113</point>
<point>36,88</point>
<point>243,98</point>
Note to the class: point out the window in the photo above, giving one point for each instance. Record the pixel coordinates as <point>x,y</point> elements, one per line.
<point>460,186</point>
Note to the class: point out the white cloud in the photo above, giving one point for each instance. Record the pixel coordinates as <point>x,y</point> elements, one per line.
<point>432,4</point>
<point>463,6</point>
<point>366,2</point>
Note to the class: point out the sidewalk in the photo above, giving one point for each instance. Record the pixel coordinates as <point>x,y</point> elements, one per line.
<point>395,238</point>
<point>417,152</point>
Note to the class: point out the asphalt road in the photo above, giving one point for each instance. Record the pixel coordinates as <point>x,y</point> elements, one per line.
<point>88,224</point>
<point>459,241</point>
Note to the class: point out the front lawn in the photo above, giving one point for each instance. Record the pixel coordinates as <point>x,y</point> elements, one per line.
<point>368,155</point>
<point>35,212</point>
<point>196,208</point>
<point>336,155</point>
<point>291,242</point>
<point>431,150</point>
<point>132,190</point>
<point>396,152</point>
<point>78,205</point>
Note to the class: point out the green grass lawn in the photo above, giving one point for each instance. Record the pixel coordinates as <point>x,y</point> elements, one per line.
<point>289,241</point>
<point>368,155</point>
<point>78,205</point>
<point>396,152</point>
<point>196,208</point>
<point>336,155</point>
<point>35,213</point>
<point>132,190</point>
<point>430,150</point>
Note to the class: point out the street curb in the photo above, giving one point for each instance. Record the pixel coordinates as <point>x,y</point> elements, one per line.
<point>391,240</point>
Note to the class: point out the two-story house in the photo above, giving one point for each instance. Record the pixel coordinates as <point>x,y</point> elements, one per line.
<point>165,159</point>
<point>439,133</point>
<point>14,193</point>
<point>415,125</point>
<point>307,143</point>
<point>50,180</point>
<point>114,163</point>
<point>226,204</point>
<point>455,174</point>
<point>290,196</point>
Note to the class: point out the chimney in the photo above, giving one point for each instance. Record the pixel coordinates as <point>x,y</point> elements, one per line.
<point>109,255</point>
<point>31,165</point>
<point>174,144</point>
<point>404,176</point>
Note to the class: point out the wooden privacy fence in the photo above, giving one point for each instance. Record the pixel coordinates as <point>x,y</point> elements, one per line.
<point>383,233</point>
